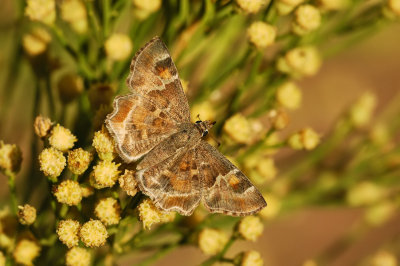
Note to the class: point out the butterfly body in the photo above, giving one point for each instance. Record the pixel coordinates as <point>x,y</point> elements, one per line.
<point>177,167</point>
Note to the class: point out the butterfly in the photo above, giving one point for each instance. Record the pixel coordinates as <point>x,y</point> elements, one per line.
<point>176,167</point>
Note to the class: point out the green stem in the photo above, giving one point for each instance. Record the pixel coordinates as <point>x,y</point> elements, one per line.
<point>13,194</point>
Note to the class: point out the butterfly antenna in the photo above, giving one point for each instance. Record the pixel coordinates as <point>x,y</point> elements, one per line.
<point>198,117</point>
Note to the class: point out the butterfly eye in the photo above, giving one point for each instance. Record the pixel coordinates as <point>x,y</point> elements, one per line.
<point>198,121</point>
<point>205,133</point>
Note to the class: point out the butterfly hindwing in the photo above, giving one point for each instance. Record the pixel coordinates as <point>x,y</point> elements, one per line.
<point>225,188</point>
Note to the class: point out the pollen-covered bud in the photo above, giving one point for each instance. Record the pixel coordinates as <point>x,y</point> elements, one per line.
<point>74,12</point>
<point>289,95</point>
<point>250,228</point>
<point>128,183</point>
<point>249,258</point>
<point>118,47</point>
<point>105,174</point>
<point>93,234</point>
<point>307,19</point>
<point>104,145</point>
<point>108,211</point>
<point>41,10</point>
<point>70,86</point>
<point>78,256</point>
<point>52,162</point>
<point>42,126</point>
<point>68,232</point>
<point>79,160</point>
<point>149,214</point>
<point>61,138</point>
<point>26,251</point>
<point>261,34</point>
<point>300,61</point>
<point>68,192</point>
<point>211,241</point>
<point>252,6</point>
<point>10,157</point>
<point>26,214</point>
<point>36,42</point>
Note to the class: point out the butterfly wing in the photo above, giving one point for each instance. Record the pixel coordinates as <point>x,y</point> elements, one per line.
<point>154,76</point>
<point>225,188</point>
<point>172,181</point>
<point>137,125</point>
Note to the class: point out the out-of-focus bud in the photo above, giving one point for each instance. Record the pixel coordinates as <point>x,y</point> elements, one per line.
<point>36,42</point>
<point>118,47</point>
<point>70,86</point>
<point>365,193</point>
<point>211,241</point>
<point>300,61</point>
<point>26,214</point>
<point>252,6</point>
<point>238,128</point>
<point>305,139</point>
<point>42,126</point>
<point>142,9</point>
<point>10,157</point>
<point>361,111</point>
<point>279,119</point>
<point>261,34</point>
<point>380,212</point>
<point>74,12</point>
<point>41,10</point>
<point>392,9</point>
<point>307,19</point>
<point>383,258</point>
<point>289,95</point>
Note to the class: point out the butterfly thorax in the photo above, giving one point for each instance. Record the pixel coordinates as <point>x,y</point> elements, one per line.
<point>204,126</point>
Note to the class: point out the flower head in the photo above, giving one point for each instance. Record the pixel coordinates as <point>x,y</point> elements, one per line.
<point>74,12</point>
<point>42,126</point>
<point>289,95</point>
<point>10,157</point>
<point>300,61</point>
<point>67,231</point>
<point>307,19</point>
<point>68,192</point>
<point>93,234</point>
<point>26,251</point>
<point>61,138</point>
<point>105,174</point>
<point>52,162</point>
<point>238,128</point>
<point>211,241</point>
<point>26,214</point>
<point>118,47</point>
<point>104,145</point>
<point>70,86</point>
<point>77,256</point>
<point>108,211</point>
<point>79,160</point>
<point>261,34</point>
<point>279,118</point>
<point>306,138</point>
<point>252,6</point>
<point>149,214</point>
<point>250,228</point>
<point>144,8</point>
<point>361,111</point>
<point>251,258</point>
<point>36,42</point>
<point>41,10</point>
<point>128,183</point>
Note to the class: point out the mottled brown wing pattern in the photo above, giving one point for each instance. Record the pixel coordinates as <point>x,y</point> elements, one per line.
<point>154,76</point>
<point>173,183</point>
<point>225,189</point>
<point>137,125</point>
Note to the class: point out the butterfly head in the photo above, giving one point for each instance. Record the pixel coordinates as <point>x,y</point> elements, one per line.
<point>205,126</point>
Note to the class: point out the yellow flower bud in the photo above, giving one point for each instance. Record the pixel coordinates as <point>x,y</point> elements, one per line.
<point>144,8</point>
<point>289,95</point>
<point>42,126</point>
<point>52,162</point>
<point>68,192</point>
<point>10,157</point>
<point>104,145</point>
<point>238,128</point>
<point>383,258</point>
<point>251,258</point>
<point>392,9</point>
<point>279,118</point>
<point>361,111</point>
<point>36,42</point>
<point>307,19</point>
<point>294,141</point>
<point>105,174</point>
<point>26,214</point>
<point>273,208</point>
<point>26,251</point>
<point>261,34</point>
<point>93,234</point>
<point>149,214</point>
<point>41,10</point>
<point>365,193</point>
<point>211,241</point>
<point>380,213</point>
<point>108,211</point>
<point>309,138</point>
<point>61,138</point>
<point>250,228</point>
<point>70,86</point>
<point>2,259</point>
<point>300,61</point>
<point>77,256</point>
<point>205,110</point>
<point>87,191</point>
<point>74,12</point>
<point>118,47</point>
<point>79,160</point>
<point>252,6</point>
<point>128,183</point>
<point>67,231</point>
